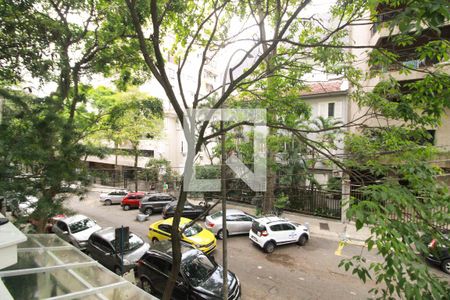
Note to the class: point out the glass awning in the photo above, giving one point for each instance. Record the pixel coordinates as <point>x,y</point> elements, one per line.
<point>50,268</point>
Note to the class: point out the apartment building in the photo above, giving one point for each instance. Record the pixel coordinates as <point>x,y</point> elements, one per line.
<point>171,145</point>
<point>370,35</point>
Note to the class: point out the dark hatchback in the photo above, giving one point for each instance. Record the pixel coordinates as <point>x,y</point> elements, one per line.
<point>100,247</point>
<point>200,277</point>
<point>190,210</point>
<point>154,202</point>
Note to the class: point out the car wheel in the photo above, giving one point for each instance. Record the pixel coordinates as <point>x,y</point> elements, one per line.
<point>148,211</point>
<point>126,207</point>
<point>108,202</point>
<point>269,247</point>
<point>446,265</point>
<point>155,240</point>
<point>220,234</point>
<point>146,285</point>
<point>302,240</point>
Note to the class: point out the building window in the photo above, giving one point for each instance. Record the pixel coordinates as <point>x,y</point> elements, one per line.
<point>331,109</point>
<point>182,147</point>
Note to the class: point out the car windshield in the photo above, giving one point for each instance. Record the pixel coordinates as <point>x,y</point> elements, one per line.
<point>216,215</point>
<point>256,226</point>
<point>135,243</point>
<point>81,225</point>
<point>198,269</point>
<point>193,230</point>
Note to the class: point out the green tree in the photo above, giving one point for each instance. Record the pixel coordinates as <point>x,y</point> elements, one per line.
<point>403,200</point>
<point>41,39</point>
<point>131,117</point>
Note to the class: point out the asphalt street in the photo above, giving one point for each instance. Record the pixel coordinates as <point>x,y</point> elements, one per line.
<point>290,272</point>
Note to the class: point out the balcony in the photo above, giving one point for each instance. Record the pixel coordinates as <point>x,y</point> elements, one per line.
<point>384,14</point>
<point>408,58</point>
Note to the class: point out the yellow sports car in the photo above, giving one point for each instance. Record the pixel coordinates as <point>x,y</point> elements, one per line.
<point>195,235</point>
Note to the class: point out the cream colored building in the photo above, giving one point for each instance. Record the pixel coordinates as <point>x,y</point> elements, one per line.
<point>373,35</point>
<point>328,100</point>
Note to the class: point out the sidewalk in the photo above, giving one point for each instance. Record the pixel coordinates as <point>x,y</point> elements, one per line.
<point>319,226</point>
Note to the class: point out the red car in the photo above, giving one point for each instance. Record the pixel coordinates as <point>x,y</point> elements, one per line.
<point>132,200</point>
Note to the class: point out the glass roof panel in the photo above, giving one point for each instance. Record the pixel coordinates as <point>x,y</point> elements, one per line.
<point>35,259</point>
<point>29,243</point>
<point>49,267</point>
<point>97,276</point>
<point>42,285</point>
<point>48,240</point>
<point>121,293</point>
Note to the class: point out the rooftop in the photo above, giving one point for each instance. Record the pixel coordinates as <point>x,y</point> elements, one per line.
<point>325,88</point>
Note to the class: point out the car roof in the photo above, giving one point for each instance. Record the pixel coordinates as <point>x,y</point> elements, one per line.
<point>160,194</point>
<point>74,218</point>
<point>169,221</point>
<point>118,191</point>
<point>232,211</point>
<point>165,247</point>
<point>272,220</point>
<point>135,193</point>
<point>108,233</point>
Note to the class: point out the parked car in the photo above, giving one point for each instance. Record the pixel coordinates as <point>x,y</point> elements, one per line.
<point>113,197</point>
<point>190,210</point>
<point>76,230</point>
<point>439,254</point>
<point>132,200</point>
<point>200,276</point>
<point>269,232</point>
<point>101,247</point>
<point>238,222</point>
<point>25,208</point>
<point>154,202</point>
<point>195,235</point>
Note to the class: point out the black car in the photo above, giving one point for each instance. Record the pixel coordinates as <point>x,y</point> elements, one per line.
<point>200,276</point>
<point>439,254</point>
<point>190,210</point>
<point>154,202</point>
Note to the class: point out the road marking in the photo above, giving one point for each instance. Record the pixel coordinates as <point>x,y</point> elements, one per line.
<point>338,251</point>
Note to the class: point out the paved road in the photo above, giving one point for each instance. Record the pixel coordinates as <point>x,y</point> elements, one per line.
<point>291,272</point>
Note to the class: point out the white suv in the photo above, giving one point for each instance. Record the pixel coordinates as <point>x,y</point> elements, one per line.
<point>268,232</point>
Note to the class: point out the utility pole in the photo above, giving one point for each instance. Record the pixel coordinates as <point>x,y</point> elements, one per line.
<point>224,214</point>
<point>224,182</point>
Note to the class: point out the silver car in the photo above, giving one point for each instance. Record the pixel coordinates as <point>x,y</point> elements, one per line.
<point>76,230</point>
<point>113,197</point>
<point>238,222</point>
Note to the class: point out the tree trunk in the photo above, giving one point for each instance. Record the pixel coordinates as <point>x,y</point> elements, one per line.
<point>269,196</point>
<point>176,238</point>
